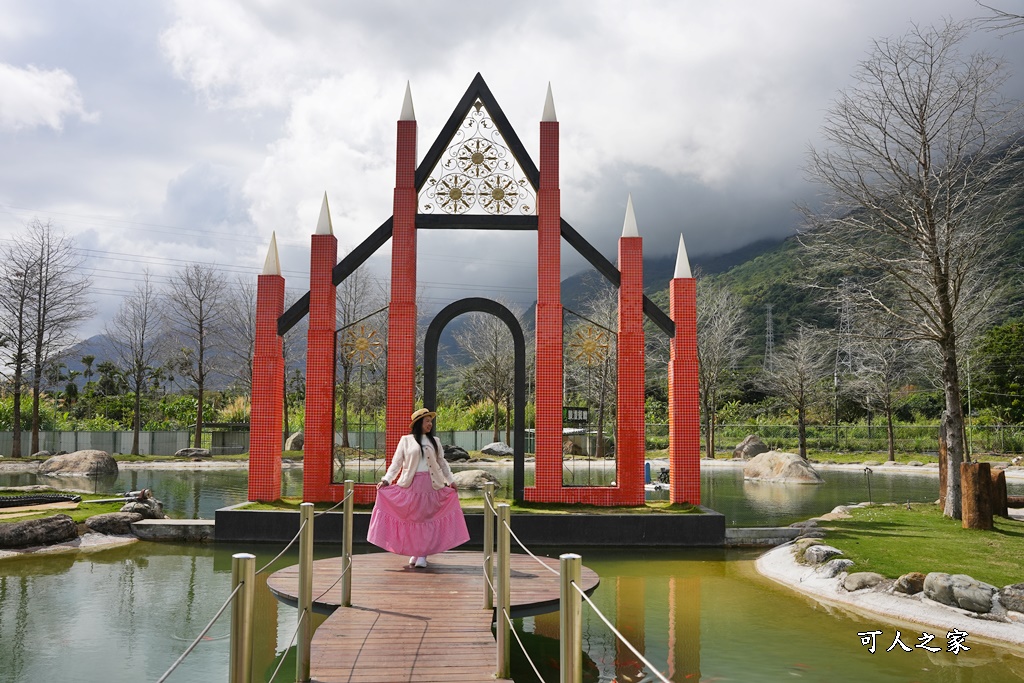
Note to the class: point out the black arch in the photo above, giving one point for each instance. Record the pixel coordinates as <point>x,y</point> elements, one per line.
<point>437,325</point>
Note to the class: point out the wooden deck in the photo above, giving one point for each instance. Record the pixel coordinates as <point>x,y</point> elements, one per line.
<point>415,624</point>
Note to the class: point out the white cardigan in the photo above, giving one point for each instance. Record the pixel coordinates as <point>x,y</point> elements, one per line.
<point>407,460</point>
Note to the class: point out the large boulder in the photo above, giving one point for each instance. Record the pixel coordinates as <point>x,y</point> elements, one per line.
<point>498,448</point>
<point>113,523</point>
<point>749,447</point>
<point>833,568</point>
<point>911,583</point>
<point>816,554</point>
<point>455,453</point>
<point>861,580</point>
<point>295,441</point>
<point>149,508</point>
<point>959,590</point>
<point>785,468</point>
<point>474,479</point>
<point>33,532</point>
<point>87,463</point>
<point>1012,597</point>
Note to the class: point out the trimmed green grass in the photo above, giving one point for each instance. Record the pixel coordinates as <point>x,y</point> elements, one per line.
<point>84,510</point>
<point>893,540</point>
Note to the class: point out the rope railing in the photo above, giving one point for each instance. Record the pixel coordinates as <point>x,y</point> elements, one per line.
<point>527,551</point>
<point>340,577</point>
<point>335,506</point>
<point>206,630</point>
<point>280,554</point>
<point>618,635</point>
<point>522,647</point>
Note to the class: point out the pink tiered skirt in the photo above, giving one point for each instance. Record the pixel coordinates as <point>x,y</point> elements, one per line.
<point>418,520</point>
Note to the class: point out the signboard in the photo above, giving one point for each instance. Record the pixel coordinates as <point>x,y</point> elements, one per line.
<point>575,415</point>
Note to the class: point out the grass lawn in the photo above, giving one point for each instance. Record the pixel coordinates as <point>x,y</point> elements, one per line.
<point>84,510</point>
<point>893,540</point>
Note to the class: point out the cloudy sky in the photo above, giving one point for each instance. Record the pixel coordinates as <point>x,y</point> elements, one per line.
<point>160,133</point>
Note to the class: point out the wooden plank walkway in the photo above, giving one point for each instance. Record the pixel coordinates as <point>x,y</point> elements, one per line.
<point>415,624</point>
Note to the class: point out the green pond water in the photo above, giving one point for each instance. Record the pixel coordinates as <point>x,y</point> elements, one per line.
<point>126,614</point>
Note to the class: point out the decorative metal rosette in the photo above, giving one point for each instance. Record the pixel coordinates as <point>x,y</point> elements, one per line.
<point>360,344</point>
<point>589,344</point>
<point>477,170</point>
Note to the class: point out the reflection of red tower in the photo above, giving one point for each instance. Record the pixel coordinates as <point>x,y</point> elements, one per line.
<point>267,384</point>
<point>684,628</point>
<point>683,405</point>
<point>630,614</point>
<point>319,430</point>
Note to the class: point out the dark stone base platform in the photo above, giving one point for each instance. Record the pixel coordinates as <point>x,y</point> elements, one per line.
<point>567,531</point>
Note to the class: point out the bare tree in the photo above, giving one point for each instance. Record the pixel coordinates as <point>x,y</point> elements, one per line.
<point>240,326</point>
<point>195,313</point>
<point>797,374</point>
<point>58,303</point>
<point>720,333</point>
<point>1001,21</point>
<point>135,331</point>
<point>360,343</point>
<point>923,153</point>
<point>17,288</point>
<point>591,352</point>
<point>491,370</point>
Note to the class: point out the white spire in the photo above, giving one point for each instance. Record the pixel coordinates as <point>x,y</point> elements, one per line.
<point>272,266</point>
<point>408,114</point>
<point>549,107</point>
<point>682,262</point>
<point>323,226</point>
<point>629,225</point>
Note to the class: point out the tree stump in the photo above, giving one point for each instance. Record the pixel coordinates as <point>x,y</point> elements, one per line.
<point>998,494</point>
<point>976,503</point>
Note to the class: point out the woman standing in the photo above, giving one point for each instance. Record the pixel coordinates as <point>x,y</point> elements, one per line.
<point>420,515</point>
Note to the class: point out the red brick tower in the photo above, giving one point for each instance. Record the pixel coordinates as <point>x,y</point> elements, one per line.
<point>267,384</point>
<point>629,439</point>
<point>401,378</point>
<point>319,432</point>
<point>683,403</point>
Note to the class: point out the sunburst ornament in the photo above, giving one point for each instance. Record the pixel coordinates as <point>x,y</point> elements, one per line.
<point>589,344</point>
<point>360,345</point>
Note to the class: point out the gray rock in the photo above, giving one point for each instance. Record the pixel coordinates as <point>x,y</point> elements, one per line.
<point>42,454</point>
<point>474,479</point>
<point>455,453</point>
<point>834,568</point>
<point>861,580</point>
<point>497,448</point>
<point>816,554</point>
<point>749,447</point>
<point>1012,597</point>
<point>33,532</point>
<point>295,441</point>
<point>804,525</point>
<point>88,463</point>
<point>971,594</point>
<point>911,583</point>
<point>192,453</point>
<point>787,468</point>
<point>916,463</point>
<point>938,586</point>
<point>149,508</point>
<point>115,523</point>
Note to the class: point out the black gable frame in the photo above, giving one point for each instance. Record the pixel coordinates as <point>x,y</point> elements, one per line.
<point>477,90</point>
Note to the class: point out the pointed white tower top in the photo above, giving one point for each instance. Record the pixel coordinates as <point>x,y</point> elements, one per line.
<point>408,113</point>
<point>549,107</point>
<point>629,225</point>
<point>323,226</point>
<point>682,262</point>
<point>272,266</point>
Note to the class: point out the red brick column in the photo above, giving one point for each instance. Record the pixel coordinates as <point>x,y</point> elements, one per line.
<point>683,403</point>
<point>629,440</point>
<point>401,378</point>
<point>267,416</point>
<point>549,323</point>
<point>318,459</point>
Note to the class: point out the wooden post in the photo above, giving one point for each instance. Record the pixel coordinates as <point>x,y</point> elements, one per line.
<point>998,494</point>
<point>976,505</point>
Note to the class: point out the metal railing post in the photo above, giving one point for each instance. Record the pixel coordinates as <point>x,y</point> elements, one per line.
<point>570,614</point>
<point>243,571</point>
<point>305,605</point>
<point>488,546</point>
<point>346,545</point>
<point>503,594</point>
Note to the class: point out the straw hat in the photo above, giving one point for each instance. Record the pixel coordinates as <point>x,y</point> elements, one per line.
<point>419,415</point>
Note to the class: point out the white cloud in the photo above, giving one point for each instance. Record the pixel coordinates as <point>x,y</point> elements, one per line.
<point>33,97</point>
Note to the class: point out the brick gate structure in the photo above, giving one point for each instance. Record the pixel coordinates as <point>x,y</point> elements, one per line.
<point>477,161</point>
